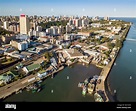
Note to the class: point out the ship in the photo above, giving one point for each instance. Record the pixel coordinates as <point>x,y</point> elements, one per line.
<point>86,81</point>
<point>98,98</point>
<point>84,91</point>
<point>91,88</point>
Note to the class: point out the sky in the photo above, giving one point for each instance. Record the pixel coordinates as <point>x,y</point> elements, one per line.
<point>111,8</point>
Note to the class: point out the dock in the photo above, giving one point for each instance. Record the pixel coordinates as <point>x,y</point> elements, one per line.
<point>103,75</point>
<point>14,87</point>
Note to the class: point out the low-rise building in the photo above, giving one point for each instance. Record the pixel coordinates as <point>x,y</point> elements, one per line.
<point>42,74</point>
<point>26,54</point>
<point>73,54</point>
<point>20,45</point>
<point>84,33</point>
<point>59,42</point>
<point>6,77</point>
<point>31,68</point>
<point>93,53</point>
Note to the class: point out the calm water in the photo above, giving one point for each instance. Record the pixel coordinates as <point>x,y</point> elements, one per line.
<point>64,89</point>
<point>119,78</point>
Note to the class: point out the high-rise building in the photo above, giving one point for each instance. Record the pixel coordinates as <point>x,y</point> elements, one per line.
<point>106,18</point>
<point>6,25</point>
<point>39,28</point>
<point>24,24</point>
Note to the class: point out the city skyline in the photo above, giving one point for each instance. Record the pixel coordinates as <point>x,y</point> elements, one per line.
<point>116,8</point>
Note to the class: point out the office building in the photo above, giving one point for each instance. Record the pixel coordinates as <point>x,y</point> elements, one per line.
<point>24,24</point>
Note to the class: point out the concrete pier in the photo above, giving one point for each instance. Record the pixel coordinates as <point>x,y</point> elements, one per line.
<point>105,72</point>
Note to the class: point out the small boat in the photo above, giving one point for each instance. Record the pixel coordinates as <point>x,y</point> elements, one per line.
<point>84,91</point>
<point>90,88</point>
<point>51,91</point>
<point>40,81</point>
<point>115,64</point>
<point>80,84</point>
<point>86,81</point>
<point>95,77</point>
<point>67,77</point>
<point>92,81</point>
<point>130,50</point>
<point>130,77</point>
<point>39,89</point>
<point>114,91</point>
<point>98,98</point>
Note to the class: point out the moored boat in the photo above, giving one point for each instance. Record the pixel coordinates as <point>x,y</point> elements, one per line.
<point>80,84</point>
<point>98,98</point>
<point>86,81</point>
<point>84,91</point>
<point>90,88</point>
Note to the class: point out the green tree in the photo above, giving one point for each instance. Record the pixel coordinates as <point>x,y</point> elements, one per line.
<point>110,45</point>
<point>46,55</point>
<point>118,43</point>
<point>104,39</point>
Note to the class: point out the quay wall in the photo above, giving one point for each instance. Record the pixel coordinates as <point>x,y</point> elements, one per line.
<point>105,73</point>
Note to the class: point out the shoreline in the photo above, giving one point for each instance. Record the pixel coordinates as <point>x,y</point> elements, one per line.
<point>104,86</point>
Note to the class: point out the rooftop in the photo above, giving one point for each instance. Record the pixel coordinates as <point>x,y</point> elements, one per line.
<point>33,67</point>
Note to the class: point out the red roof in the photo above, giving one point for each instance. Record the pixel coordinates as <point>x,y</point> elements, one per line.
<point>22,15</point>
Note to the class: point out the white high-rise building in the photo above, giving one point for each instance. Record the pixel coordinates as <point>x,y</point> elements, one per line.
<point>68,28</point>
<point>39,28</point>
<point>24,24</point>
<point>106,18</point>
<point>6,25</point>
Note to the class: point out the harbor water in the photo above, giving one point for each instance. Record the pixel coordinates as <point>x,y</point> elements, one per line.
<point>62,88</point>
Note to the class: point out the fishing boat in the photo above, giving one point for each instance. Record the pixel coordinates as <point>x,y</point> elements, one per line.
<point>90,88</point>
<point>40,81</point>
<point>92,81</point>
<point>80,84</point>
<point>95,77</point>
<point>86,81</point>
<point>84,91</point>
<point>98,98</point>
<point>39,89</point>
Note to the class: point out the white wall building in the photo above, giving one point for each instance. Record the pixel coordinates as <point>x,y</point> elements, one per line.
<point>22,45</point>
<point>24,24</point>
<point>6,25</point>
